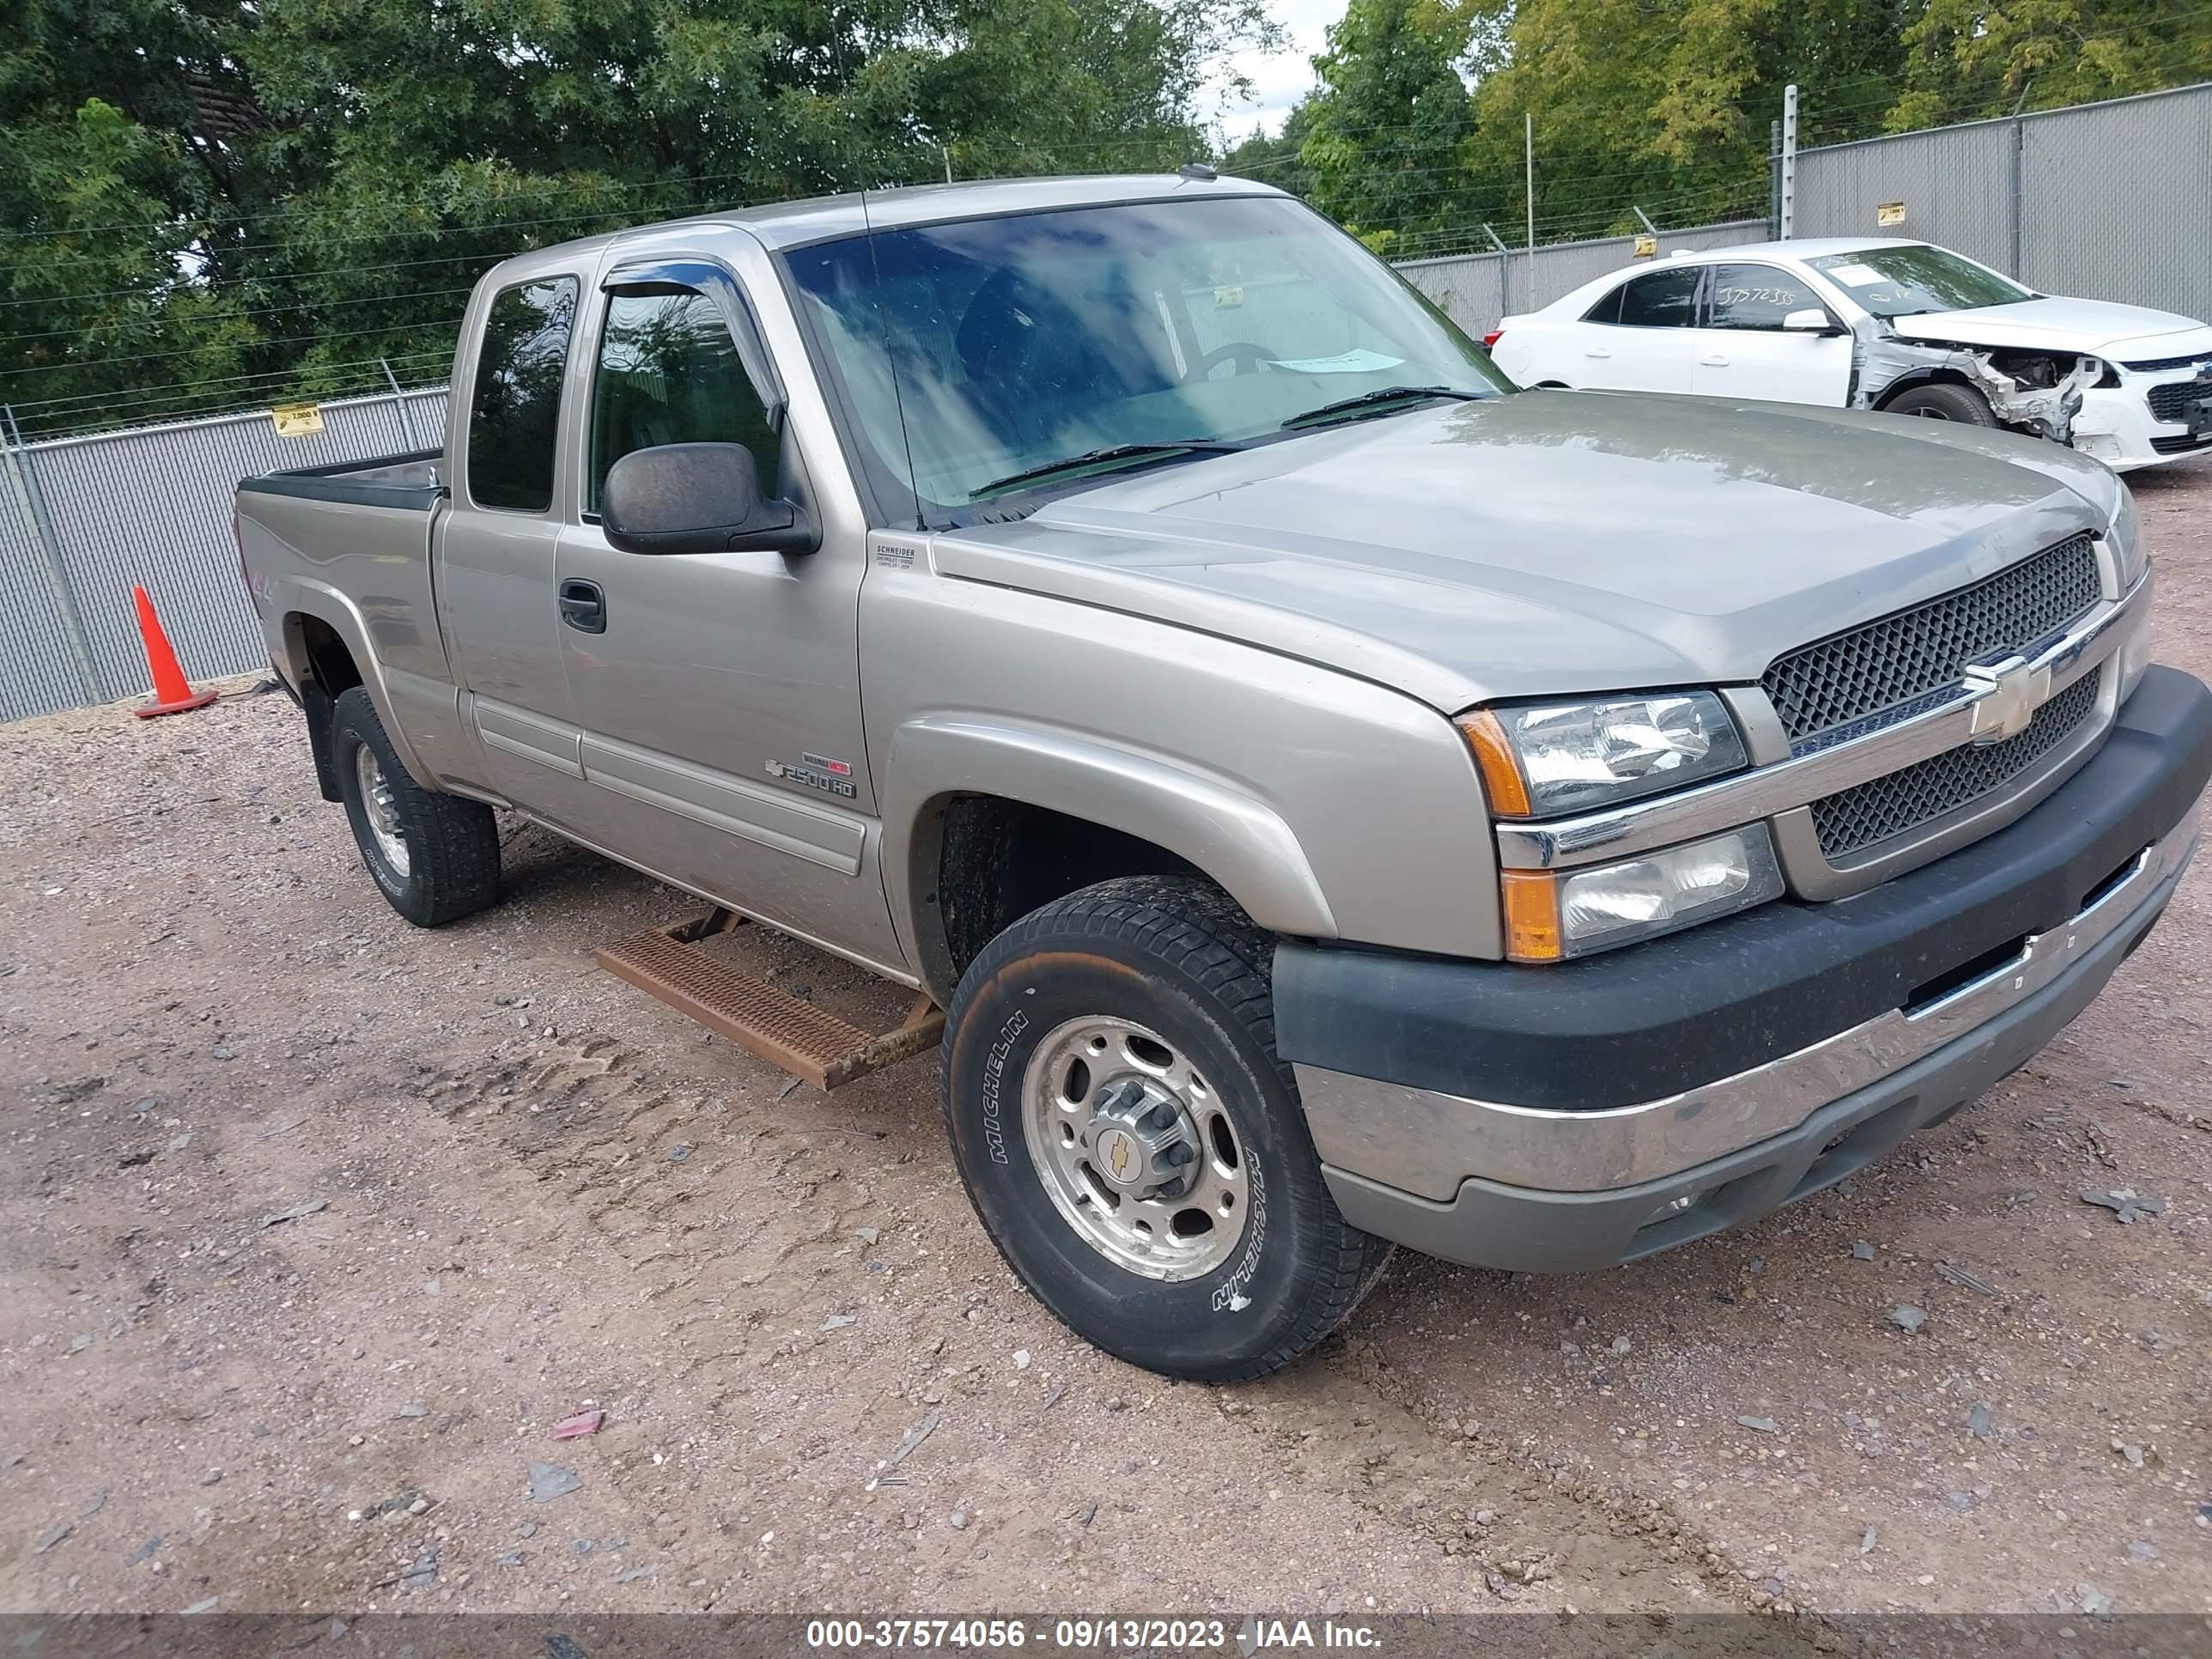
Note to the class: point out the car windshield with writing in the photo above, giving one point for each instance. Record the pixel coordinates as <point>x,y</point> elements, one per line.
<point>997,357</point>
<point>1906,282</point>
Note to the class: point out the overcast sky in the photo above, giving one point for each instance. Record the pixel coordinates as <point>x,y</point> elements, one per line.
<point>1280,79</point>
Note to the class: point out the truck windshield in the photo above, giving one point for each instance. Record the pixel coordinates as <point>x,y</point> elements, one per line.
<point>1010,345</point>
<point>1905,281</point>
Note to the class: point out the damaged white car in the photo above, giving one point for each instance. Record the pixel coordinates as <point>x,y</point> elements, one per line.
<point>1880,324</point>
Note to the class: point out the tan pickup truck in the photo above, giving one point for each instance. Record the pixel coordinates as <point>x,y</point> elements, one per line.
<point>1335,798</point>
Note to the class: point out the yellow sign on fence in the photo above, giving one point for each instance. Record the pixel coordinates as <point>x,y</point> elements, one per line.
<point>1889,213</point>
<point>1647,247</point>
<point>297,420</point>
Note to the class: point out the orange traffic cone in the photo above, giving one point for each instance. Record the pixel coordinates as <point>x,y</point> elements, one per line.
<point>173,693</point>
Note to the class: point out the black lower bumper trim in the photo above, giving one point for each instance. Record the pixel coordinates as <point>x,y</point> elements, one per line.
<point>1488,1224</point>
<point>1660,1018</point>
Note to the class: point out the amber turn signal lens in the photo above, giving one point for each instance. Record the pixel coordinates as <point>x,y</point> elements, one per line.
<point>1532,915</point>
<point>1494,758</point>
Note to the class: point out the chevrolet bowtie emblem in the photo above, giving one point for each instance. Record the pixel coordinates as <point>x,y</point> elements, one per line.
<point>2011,691</point>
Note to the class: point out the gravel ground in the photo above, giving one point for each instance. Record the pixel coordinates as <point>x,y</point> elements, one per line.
<point>312,1226</point>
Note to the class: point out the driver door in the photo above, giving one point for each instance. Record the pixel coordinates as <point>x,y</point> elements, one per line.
<point>719,694</point>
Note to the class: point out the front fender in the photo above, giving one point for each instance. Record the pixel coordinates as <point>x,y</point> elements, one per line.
<point>1206,820</point>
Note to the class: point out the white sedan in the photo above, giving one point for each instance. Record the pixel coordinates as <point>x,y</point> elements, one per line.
<point>1880,324</point>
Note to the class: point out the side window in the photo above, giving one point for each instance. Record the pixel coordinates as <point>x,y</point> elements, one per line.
<point>1607,310</point>
<point>517,402</point>
<point>1661,298</point>
<point>669,373</point>
<point>1757,296</point>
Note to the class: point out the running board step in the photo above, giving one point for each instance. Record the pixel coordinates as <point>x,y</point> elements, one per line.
<point>811,1044</point>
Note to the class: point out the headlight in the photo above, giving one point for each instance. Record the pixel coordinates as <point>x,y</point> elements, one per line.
<point>2130,557</point>
<point>1545,758</point>
<point>1550,914</point>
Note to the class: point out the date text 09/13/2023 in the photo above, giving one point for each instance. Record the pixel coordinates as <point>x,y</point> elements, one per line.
<point>1085,1634</point>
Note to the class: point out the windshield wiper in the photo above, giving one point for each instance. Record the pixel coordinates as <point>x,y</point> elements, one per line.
<point>1388,394</point>
<point>1109,454</point>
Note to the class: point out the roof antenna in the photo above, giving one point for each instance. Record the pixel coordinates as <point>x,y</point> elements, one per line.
<point>891,357</point>
<point>1198,172</point>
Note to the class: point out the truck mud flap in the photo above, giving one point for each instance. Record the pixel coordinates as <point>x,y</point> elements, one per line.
<point>316,704</point>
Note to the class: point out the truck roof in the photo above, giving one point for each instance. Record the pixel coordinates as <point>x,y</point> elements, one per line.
<point>821,218</point>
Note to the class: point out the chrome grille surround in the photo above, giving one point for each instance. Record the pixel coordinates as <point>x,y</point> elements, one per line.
<point>1870,813</point>
<point>1872,673</point>
<point>1782,787</point>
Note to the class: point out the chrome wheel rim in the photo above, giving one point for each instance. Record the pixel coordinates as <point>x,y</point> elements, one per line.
<point>380,809</point>
<point>1135,1149</point>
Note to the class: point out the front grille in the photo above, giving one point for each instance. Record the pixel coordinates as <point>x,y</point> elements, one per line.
<point>2171,402</point>
<point>1873,812</point>
<point>2180,443</point>
<point>1879,667</point>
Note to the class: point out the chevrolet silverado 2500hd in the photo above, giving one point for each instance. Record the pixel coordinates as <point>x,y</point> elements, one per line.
<point>1337,798</point>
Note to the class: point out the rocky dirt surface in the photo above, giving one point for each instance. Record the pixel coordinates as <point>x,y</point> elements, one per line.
<point>314,1226</point>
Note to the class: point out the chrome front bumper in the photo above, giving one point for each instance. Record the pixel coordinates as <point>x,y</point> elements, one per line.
<point>1426,1142</point>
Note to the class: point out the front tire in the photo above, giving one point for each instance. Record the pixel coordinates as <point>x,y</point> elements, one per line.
<point>1132,1143</point>
<point>1941,401</point>
<point>434,856</point>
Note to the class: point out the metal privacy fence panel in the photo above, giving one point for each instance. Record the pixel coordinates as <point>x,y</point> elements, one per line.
<point>38,669</point>
<point>2109,201</point>
<point>1954,183</point>
<point>151,507</point>
<point>2116,201</point>
<point>1476,290</point>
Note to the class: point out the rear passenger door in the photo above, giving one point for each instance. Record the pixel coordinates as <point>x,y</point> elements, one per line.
<point>496,541</point>
<point>1638,338</point>
<point>1741,349</point>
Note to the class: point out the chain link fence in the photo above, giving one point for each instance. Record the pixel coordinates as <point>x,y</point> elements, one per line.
<point>1476,290</point>
<point>2111,201</point>
<point>83,519</point>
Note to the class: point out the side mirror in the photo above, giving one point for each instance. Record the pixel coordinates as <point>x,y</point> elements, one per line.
<point>697,498</point>
<point>1811,320</point>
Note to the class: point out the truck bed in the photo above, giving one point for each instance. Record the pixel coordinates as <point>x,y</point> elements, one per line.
<point>411,480</point>
<point>337,561</point>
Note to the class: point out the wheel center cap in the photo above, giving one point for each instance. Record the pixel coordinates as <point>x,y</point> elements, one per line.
<point>1139,1140</point>
<point>1122,1159</point>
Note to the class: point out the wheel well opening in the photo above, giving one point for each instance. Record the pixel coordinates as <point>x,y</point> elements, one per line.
<point>999,859</point>
<point>328,660</point>
<point>1920,378</point>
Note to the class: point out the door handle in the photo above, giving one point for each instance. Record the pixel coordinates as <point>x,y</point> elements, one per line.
<point>1597,351</point>
<point>1712,362</point>
<point>583,606</point>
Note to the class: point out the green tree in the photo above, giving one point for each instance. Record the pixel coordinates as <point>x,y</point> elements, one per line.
<point>1278,159</point>
<point>115,157</point>
<point>294,188</point>
<point>1384,134</point>
<point>1667,107</point>
<point>1966,59</point>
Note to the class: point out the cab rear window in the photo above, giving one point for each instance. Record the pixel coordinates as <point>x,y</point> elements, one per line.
<point>515,406</point>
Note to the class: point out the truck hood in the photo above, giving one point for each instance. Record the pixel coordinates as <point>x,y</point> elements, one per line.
<point>2095,326</point>
<point>1552,542</point>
